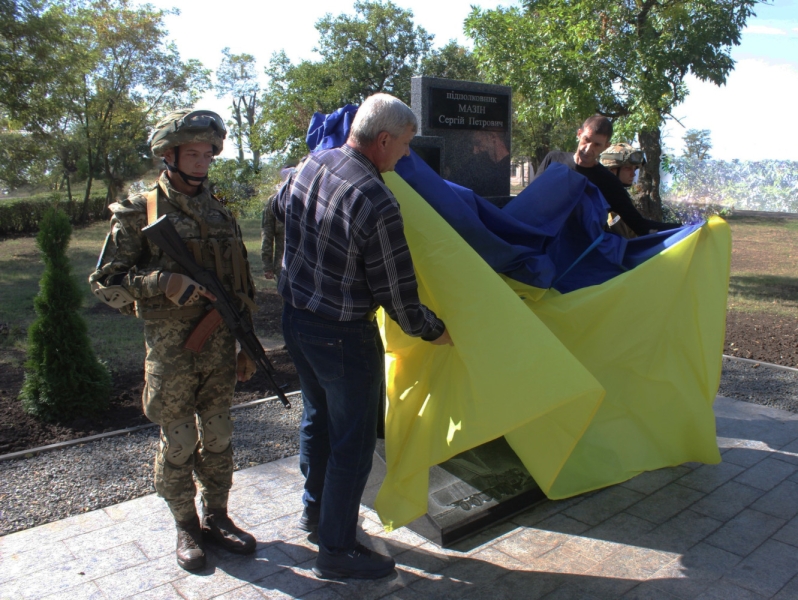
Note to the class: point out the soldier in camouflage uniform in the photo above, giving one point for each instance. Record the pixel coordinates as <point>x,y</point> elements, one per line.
<point>623,161</point>
<point>272,243</point>
<point>191,364</point>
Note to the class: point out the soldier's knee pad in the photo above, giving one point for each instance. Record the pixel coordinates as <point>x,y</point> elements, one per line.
<point>180,439</point>
<point>217,430</point>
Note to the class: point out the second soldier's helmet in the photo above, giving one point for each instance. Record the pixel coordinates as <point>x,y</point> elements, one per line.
<point>185,126</point>
<point>622,154</point>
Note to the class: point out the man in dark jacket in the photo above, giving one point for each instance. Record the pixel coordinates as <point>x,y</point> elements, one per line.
<point>594,137</point>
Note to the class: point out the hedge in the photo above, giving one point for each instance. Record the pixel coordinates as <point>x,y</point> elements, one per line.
<point>23,215</point>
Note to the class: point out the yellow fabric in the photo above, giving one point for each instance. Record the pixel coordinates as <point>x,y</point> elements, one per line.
<point>536,370</point>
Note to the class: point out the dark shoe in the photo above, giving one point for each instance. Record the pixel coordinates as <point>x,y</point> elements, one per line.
<point>309,521</point>
<point>219,529</point>
<point>360,563</point>
<point>190,553</point>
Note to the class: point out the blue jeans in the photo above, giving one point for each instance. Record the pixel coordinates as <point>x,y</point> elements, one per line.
<point>341,367</point>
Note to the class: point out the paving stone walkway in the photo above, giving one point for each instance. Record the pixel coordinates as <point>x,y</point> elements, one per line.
<point>726,531</point>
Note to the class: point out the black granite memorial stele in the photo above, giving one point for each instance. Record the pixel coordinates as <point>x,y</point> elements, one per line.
<point>467,493</point>
<point>470,124</point>
<point>464,135</point>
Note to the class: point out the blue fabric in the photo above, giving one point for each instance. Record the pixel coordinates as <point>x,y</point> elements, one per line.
<point>550,235</point>
<point>330,131</point>
<point>341,368</point>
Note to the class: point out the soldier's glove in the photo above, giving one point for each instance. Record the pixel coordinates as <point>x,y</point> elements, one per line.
<point>245,368</point>
<point>180,289</point>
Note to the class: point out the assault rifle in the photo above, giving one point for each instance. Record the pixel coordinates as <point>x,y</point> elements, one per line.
<point>164,235</point>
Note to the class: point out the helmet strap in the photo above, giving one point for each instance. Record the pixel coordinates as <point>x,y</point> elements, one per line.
<point>188,179</point>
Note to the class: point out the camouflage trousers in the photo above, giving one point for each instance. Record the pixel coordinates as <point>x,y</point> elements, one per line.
<point>180,384</point>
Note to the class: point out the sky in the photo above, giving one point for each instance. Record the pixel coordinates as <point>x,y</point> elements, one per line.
<point>756,102</point>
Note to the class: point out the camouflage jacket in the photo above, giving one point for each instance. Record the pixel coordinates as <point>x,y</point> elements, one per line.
<point>129,259</point>
<point>272,239</point>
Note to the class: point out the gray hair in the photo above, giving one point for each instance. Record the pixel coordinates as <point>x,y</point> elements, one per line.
<point>378,113</point>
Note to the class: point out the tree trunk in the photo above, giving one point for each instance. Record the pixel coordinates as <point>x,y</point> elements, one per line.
<point>239,120</point>
<point>84,214</point>
<point>253,146</point>
<point>650,202</point>
<point>69,187</point>
<point>110,196</point>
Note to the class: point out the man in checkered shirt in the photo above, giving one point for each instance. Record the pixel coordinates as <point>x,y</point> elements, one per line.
<point>345,256</point>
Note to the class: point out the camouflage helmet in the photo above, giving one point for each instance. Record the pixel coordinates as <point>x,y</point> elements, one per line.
<point>185,126</point>
<point>622,154</point>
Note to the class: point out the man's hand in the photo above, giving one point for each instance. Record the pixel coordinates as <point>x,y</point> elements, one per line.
<point>181,289</point>
<point>268,274</point>
<point>245,368</point>
<point>444,340</point>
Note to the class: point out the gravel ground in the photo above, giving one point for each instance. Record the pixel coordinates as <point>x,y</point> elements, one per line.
<point>756,383</point>
<point>55,485</point>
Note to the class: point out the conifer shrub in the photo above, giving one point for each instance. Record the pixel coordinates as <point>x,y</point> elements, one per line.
<point>63,378</point>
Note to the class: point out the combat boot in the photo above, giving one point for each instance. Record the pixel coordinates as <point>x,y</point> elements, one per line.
<point>190,553</point>
<point>218,528</point>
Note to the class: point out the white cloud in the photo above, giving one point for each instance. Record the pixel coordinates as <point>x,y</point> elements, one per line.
<point>764,30</point>
<point>750,117</point>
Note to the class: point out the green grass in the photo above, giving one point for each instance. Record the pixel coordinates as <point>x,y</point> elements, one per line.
<point>764,268</point>
<point>44,192</point>
<point>764,278</point>
<point>116,339</point>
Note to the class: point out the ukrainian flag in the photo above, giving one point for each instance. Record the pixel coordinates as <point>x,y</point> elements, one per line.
<point>595,358</point>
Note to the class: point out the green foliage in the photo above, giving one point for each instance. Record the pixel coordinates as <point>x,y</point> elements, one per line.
<point>292,95</point>
<point>697,144</point>
<point>24,215</point>
<point>626,60</point>
<point>241,188</point>
<point>85,80</point>
<point>237,79</point>
<point>768,185</point>
<point>22,161</point>
<point>378,49</point>
<point>453,61</point>
<point>63,378</point>
<point>534,138</point>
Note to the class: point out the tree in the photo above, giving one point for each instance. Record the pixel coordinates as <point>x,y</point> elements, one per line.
<point>291,96</point>
<point>377,49</point>
<point>625,60</point>
<point>242,189</point>
<point>63,378</point>
<point>133,74</point>
<point>238,79</point>
<point>697,144</point>
<point>106,73</point>
<point>453,61</point>
<point>534,138</point>
<point>36,53</point>
<point>767,185</point>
